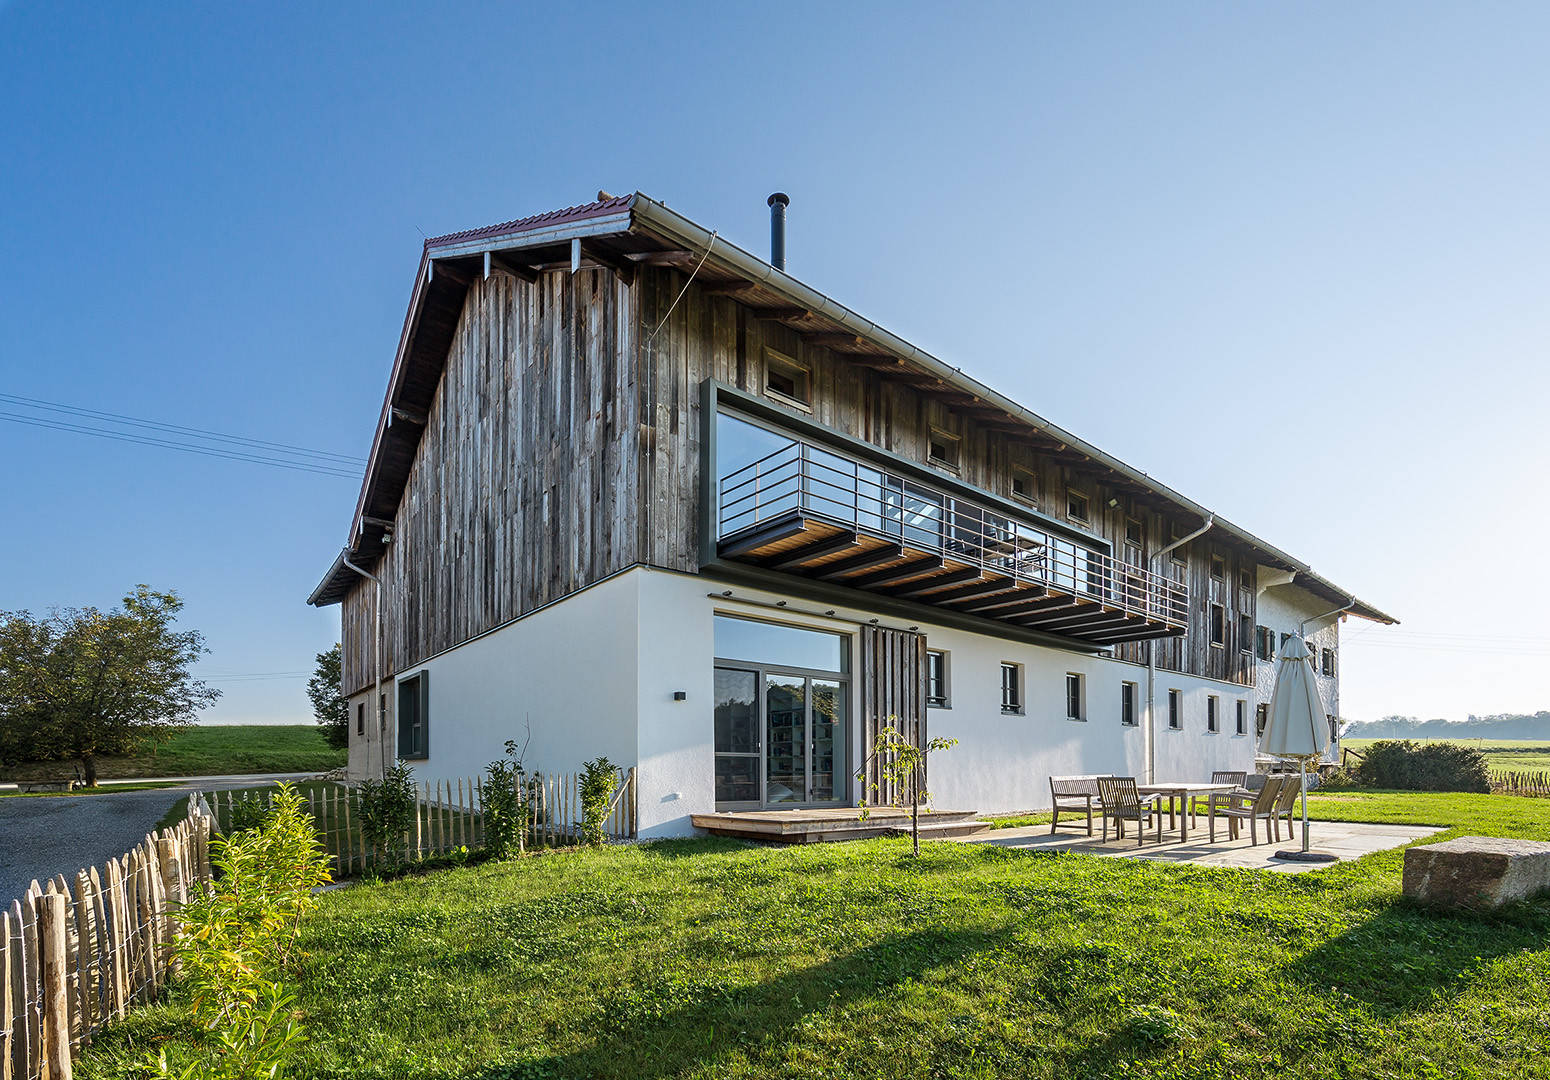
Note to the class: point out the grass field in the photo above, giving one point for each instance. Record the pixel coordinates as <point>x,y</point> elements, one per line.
<point>1520,755</point>
<point>110,789</point>
<point>709,958</point>
<point>209,751</point>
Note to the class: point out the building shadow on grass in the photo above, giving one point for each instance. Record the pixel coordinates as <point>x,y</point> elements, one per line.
<point>1401,959</point>
<point>699,1032</point>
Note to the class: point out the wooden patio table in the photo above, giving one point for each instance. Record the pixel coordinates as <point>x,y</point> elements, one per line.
<point>1182,791</point>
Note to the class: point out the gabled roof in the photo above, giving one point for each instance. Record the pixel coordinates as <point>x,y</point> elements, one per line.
<point>628,231</point>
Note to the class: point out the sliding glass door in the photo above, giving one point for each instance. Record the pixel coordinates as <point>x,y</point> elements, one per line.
<point>781,731</point>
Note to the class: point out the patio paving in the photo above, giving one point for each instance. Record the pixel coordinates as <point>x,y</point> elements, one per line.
<point>1347,840</point>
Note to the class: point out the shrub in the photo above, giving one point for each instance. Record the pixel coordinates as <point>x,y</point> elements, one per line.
<point>247,812</point>
<point>599,778</point>
<point>508,809</point>
<point>240,930</point>
<point>387,808</point>
<point>1412,766</point>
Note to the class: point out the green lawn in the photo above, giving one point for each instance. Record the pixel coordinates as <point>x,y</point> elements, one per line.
<point>1517,755</point>
<point>110,789</point>
<point>710,958</point>
<point>209,751</point>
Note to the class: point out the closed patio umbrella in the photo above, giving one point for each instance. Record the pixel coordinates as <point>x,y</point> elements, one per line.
<point>1297,728</point>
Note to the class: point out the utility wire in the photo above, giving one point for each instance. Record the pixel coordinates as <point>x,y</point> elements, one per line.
<point>326,456</point>
<point>189,448</point>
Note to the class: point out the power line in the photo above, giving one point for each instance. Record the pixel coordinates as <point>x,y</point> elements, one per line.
<point>188,448</point>
<point>326,456</point>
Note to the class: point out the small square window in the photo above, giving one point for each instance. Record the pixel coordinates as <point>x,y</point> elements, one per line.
<point>1135,532</point>
<point>1175,710</point>
<point>786,378</point>
<point>1024,486</point>
<point>943,449</point>
<point>1076,506</point>
<point>1218,566</point>
<point>1076,708</point>
<point>1246,580</point>
<point>936,679</point>
<point>360,718</point>
<point>1241,717</point>
<point>1011,687</point>
<point>1127,704</point>
<point>1213,714</point>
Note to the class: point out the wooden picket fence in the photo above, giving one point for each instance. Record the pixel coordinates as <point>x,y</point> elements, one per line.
<point>74,955</point>
<point>1509,782</point>
<point>449,815</point>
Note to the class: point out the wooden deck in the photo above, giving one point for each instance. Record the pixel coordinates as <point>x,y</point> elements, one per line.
<point>822,825</point>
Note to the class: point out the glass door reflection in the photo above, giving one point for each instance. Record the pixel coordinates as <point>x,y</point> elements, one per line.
<point>785,725</point>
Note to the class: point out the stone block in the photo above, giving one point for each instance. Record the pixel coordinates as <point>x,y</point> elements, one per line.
<point>1477,871</point>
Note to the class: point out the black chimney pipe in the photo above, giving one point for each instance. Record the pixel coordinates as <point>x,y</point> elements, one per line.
<point>778,203</point>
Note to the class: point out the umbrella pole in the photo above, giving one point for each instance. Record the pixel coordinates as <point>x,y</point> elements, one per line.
<point>1302,769</point>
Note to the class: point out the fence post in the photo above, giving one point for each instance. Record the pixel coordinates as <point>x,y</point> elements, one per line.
<point>56,985</point>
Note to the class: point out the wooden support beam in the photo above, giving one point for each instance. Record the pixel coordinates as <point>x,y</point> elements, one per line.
<point>1012,599</point>
<point>407,415</point>
<point>441,268</point>
<point>829,546</point>
<point>941,581</point>
<point>1050,609</point>
<point>729,288</point>
<point>864,561</point>
<point>1153,631</point>
<point>774,532</point>
<point>1121,626</point>
<point>379,522</point>
<point>623,268</point>
<point>506,264</point>
<point>957,596</point>
<point>1093,620</point>
<point>575,254</point>
<point>839,342</point>
<point>779,313</point>
<point>890,574</point>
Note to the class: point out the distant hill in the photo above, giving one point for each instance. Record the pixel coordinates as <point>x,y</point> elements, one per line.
<point>1505,726</point>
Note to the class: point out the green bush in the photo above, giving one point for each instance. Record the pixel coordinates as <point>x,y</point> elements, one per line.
<point>237,935</point>
<point>387,808</point>
<point>507,806</point>
<point>599,778</point>
<point>1434,766</point>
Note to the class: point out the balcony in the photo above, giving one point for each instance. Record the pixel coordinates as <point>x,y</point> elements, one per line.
<point>807,510</point>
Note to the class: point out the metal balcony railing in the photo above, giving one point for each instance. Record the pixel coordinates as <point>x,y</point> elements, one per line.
<point>819,483</point>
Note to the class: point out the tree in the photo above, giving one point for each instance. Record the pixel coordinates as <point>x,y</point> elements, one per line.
<point>325,688</point>
<point>81,682</point>
<point>902,764</point>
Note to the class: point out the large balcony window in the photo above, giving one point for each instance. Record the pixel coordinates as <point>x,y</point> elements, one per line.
<point>795,505</point>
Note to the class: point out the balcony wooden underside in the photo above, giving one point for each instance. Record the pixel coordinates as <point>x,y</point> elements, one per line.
<point>799,543</point>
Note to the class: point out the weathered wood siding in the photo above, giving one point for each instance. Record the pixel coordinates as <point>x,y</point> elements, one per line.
<point>713,336</point>
<point>523,489</point>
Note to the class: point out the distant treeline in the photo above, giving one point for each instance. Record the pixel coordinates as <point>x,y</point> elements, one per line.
<point>1506,726</point>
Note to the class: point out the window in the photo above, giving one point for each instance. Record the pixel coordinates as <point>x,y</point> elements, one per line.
<point>786,378</point>
<point>779,646</point>
<point>1245,633</point>
<point>1213,714</point>
<point>1241,717</point>
<point>1076,506</point>
<point>1011,687</point>
<point>1218,625</point>
<point>942,449</point>
<point>1127,704</point>
<point>936,679</point>
<point>1285,637</point>
<point>1175,710</point>
<point>1218,566</point>
<point>1313,654</point>
<point>1261,718</point>
<point>1327,661</point>
<point>1264,643</point>
<point>1075,705</point>
<point>1334,728</point>
<point>414,717</point>
<point>360,718</point>
<point>1024,486</point>
<point>1135,532</point>
<point>1246,580</point>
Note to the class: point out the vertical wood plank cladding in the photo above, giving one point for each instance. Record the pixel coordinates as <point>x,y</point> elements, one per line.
<point>523,489</point>
<point>893,696</point>
<point>712,336</point>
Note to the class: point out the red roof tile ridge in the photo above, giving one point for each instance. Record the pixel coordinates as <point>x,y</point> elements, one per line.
<point>581,212</point>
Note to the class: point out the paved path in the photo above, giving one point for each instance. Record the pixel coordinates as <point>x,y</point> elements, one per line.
<point>42,836</point>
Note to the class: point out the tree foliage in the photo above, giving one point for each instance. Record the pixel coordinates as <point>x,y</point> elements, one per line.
<point>902,765</point>
<point>329,704</point>
<point>80,683</point>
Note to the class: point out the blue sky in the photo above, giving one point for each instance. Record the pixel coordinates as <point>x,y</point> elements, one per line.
<point>1289,258</point>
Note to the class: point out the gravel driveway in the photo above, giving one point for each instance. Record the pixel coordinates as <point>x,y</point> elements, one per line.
<point>42,836</point>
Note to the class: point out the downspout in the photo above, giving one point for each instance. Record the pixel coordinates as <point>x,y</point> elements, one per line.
<point>1151,659</point>
<point>1341,610</point>
<point>376,648</point>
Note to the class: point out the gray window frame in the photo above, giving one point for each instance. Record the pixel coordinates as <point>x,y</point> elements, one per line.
<point>1015,706</point>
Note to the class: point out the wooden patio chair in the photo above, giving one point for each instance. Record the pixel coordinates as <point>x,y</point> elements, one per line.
<point>1286,806</point>
<point>1122,802</point>
<point>1253,808</point>
<point>1073,794</point>
<point>1221,776</point>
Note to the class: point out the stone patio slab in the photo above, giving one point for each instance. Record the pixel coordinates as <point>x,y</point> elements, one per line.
<point>1343,839</point>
